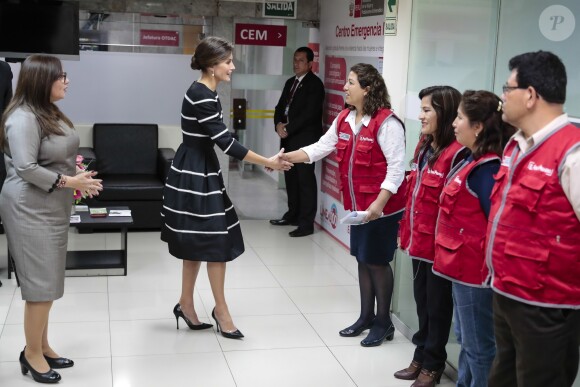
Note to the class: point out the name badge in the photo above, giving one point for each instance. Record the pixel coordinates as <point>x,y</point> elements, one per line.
<point>344,136</point>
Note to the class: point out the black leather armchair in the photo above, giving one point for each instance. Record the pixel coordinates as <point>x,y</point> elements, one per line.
<point>133,170</point>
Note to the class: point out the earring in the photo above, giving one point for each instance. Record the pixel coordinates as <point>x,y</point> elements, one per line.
<point>476,134</point>
<point>212,74</point>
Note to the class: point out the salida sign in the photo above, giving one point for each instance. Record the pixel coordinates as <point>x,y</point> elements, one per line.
<point>279,9</point>
<point>261,35</point>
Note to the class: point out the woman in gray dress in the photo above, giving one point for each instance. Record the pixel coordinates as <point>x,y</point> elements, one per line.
<point>40,147</point>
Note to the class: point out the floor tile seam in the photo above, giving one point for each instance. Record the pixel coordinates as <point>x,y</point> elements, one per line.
<point>384,345</point>
<point>322,346</point>
<point>110,335</point>
<point>335,260</point>
<point>3,324</point>
<point>65,322</point>
<point>351,377</point>
<point>167,354</point>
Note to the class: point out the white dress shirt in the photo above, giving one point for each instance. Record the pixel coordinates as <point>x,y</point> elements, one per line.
<point>391,139</point>
<point>570,176</point>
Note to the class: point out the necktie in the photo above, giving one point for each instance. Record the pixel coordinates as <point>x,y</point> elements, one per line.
<point>292,90</point>
<point>289,99</point>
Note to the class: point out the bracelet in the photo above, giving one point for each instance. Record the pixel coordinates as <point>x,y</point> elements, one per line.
<point>61,182</point>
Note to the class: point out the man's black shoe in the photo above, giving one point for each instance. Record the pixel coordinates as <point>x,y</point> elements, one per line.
<point>300,232</point>
<point>281,222</point>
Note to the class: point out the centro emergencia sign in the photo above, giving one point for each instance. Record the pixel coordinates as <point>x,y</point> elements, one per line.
<point>279,9</point>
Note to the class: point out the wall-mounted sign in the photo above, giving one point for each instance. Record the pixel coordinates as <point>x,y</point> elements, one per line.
<point>279,9</point>
<point>391,17</point>
<point>261,35</point>
<point>159,38</point>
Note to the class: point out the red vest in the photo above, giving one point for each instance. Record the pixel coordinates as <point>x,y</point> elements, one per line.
<point>417,227</point>
<point>461,229</point>
<point>362,164</point>
<point>533,245</point>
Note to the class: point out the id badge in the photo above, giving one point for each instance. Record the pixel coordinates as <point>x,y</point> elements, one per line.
<point>286,110</point>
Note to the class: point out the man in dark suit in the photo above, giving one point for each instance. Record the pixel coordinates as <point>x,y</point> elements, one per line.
<point>298,122</point>
<point>5,97</point>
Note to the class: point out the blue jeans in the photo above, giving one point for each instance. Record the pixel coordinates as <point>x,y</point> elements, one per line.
<point>474,331</point>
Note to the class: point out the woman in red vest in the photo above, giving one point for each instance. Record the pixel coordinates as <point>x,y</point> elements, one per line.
<point>461,230</point>
<point>370,150</point>
<point>436,153</point>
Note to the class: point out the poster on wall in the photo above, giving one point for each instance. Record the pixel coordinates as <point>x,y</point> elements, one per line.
<point>351,32</point>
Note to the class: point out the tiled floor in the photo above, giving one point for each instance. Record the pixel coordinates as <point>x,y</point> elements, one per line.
<point>289,296</point>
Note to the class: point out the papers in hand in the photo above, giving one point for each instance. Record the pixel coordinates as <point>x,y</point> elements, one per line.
<point>119,212</point>
<point>354,217</point>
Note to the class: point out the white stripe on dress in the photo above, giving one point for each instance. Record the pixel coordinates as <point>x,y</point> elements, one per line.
<point>195,232</point>
<point>188,118</point>
<point>219,134</point>
<point>192,214</point>
<point>201,100</point>
<point>229,146</point>
<point>233,225</point>
<point>208,118</point>
<point>197,173</point>
<point>193,134</point>
<point>195,192</point>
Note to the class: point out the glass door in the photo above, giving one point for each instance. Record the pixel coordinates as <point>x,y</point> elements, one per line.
<point>258,80</point>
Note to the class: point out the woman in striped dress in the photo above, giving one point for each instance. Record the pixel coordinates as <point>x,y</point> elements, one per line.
<point>200,223</point>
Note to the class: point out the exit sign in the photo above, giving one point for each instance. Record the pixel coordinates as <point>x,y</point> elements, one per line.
<point>279,9</point>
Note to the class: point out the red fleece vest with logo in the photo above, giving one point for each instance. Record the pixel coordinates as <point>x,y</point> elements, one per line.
<point>363,165</point>
<point>461,229</point>
<point>417,230</point>
<point>533,246</point>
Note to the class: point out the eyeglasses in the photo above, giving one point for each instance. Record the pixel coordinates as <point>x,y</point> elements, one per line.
<point>506,89</point>
<point>63,77</point>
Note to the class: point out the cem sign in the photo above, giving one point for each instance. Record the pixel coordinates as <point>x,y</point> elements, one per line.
<point>279,9</point>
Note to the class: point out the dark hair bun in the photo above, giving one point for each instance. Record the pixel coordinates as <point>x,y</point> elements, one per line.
<point>194,64</point>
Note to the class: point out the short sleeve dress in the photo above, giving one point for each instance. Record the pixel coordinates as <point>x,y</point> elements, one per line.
<point>36,216</point>
<point>199,220</point>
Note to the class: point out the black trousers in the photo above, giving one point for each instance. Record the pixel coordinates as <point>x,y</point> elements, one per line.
<point>302,194</point>
<point>536,346</point>
<point>435,311</point>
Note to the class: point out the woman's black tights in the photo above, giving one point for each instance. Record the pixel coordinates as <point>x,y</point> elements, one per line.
<point>375,283</point>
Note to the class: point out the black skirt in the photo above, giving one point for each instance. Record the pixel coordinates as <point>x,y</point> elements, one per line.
<point>375,242</point>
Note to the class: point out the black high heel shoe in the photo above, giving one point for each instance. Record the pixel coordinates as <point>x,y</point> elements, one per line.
<point>229,335</point>
<point>196,327</point>
<point>350,332</point>
<point>47,377</point>
<point>59,362</point>
<point>370,342</point>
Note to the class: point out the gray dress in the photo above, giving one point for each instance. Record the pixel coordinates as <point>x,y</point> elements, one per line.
<point>36,220</point>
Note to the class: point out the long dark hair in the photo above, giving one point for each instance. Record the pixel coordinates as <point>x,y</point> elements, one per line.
<point>378,95</point>
<point>33,89</point>
<point>211,51</point>
<point>445,101</point>
<point>485,107</point>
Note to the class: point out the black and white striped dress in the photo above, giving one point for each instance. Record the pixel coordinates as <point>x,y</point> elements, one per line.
<point>200,222</point>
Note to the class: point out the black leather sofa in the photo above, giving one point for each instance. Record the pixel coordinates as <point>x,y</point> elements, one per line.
<point>133,170</point>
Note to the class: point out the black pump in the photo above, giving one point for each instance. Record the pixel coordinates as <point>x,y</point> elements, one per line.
<point>196,327</point>
<point>229,335</point>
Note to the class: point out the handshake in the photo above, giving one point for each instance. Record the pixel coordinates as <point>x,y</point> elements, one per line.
<point>279,162</point>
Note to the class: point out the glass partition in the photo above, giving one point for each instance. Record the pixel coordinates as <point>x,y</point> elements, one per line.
<point>452,43</point>
<point>143,33</point>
